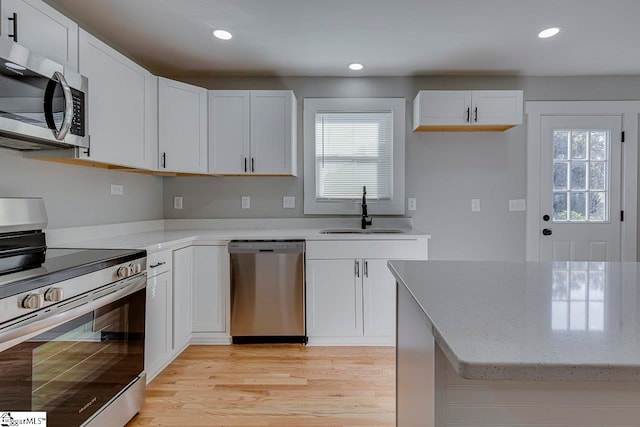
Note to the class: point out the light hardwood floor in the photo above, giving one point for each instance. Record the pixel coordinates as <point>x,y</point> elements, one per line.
<point>274,385</point>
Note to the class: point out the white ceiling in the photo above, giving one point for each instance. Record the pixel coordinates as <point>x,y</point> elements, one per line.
<point>391,38</point>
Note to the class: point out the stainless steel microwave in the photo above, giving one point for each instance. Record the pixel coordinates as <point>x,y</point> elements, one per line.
<point>42,105</point>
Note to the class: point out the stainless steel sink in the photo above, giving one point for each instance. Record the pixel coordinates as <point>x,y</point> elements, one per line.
<point>361,231</point>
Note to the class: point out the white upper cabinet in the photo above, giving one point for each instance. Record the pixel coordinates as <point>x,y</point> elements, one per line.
<point>182,127</point>
<point>42,29</point>
<point>253,132</point>
<point>467,111</point>
<point>122,106</point>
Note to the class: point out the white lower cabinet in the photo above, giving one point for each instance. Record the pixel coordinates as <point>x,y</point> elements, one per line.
<point>210,294</point>
<point>182,297</point>
<point>350,291</point>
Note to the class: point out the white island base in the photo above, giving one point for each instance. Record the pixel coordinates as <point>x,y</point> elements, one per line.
<point>431,393</point>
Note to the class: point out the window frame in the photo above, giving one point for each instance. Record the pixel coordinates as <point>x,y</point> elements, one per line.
<point>397,106</point>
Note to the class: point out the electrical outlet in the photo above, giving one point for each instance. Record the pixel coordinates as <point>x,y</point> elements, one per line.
<point>177,202</point>
<point>289,202</point>
<point>117,190</point>
<point>517,205</point>
<point>411,204</point>
<point>246,202</point>
<point>475,205</point>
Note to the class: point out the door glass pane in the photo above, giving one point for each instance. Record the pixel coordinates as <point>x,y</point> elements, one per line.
<point>559,206</point>
<point>578,145</point>
<point>597,206</point>
<point>561,145</point>
<point>597,175</point>
<point>578,207</point>
<point>581,175</point>
<point>560,176</point>
<point>598,145</point>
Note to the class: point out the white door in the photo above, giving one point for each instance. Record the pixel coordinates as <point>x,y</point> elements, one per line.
<point>379,299</point>
<point>334,298</point>
<point>271,132</point>
<point>580,174</point>
<point>209,298</point>
<point>182,297</point>
<point>229,127</point>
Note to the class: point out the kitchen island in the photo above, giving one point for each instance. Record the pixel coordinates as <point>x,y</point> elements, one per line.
<point>517,344</point>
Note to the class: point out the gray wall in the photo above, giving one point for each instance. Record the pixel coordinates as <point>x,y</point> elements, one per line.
<point>444,171</point>
<point>77,195</point>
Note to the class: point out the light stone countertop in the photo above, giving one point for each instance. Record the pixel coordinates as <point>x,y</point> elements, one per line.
<point>155,236</point>
<point>531,321</point>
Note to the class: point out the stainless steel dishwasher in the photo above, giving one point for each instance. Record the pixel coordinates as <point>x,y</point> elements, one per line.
<point>267,291</point>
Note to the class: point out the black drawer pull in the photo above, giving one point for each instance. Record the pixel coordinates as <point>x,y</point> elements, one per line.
<point>158,264</point>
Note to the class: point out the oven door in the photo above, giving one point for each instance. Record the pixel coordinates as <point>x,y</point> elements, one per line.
<point>74,366</point>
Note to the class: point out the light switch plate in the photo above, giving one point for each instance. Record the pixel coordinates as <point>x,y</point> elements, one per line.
<point>289,202</point>
<point>177,202</point>
<point>117,190</point>
<point>246,202</point>
<point>517,205</point>
<point>411,204</point>
<point>475,205</point>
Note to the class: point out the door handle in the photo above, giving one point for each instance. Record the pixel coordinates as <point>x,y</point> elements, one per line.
<point>245,164</point>
<point>14,18</point>
<point>546,217</point>
<point>253,165</point>
<point>357,268</point>
<point>366,269</point>
<point>547,232</point>
<point>468,114</point>
<point>67,117</point>
<point>164,160</point>
<point>475,114</point>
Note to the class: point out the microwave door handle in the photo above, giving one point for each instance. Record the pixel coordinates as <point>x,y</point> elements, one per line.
<point>61,133</point>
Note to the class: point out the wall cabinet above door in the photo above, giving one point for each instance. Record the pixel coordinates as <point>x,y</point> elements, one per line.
<point>467,111</point>
<point>42,29</point>
<point>252,132</point>
<point>182,127</point>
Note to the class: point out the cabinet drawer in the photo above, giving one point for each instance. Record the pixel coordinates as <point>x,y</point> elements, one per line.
<point>158,262</point>
<point>383,249</point>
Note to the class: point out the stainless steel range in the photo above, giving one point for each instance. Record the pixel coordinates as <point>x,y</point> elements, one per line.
<point>71,325</point>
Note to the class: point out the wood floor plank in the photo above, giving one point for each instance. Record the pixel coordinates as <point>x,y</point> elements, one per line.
<point>274,385</point>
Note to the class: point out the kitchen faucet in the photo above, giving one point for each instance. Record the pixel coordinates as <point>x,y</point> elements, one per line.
<point>365,218</point>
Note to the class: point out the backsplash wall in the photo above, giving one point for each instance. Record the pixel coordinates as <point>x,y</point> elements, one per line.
<point>444,171</point>
<point>77,195</point>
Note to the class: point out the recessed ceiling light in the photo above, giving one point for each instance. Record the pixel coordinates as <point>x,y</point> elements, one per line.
<point>549,32</point>
<point>356,67</point>
<point>222,34</point>
<point>14,66</point>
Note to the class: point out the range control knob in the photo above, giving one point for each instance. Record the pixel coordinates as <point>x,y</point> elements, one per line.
<point>33,301</point>
<point>53,295</point>
<point>124,272</point>
<point>137,268</point>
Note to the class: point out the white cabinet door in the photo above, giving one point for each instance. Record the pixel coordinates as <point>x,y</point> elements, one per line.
<point>210,272</point>
<point>252,132</point>
<point>497,107</point>
<point>182,127</point>
<point>379,299</point>
<point>441,107</point>
<point>182,297</point>
<point>229,135</point>
<point>158,324</point>
<point>122,115</point>
<point>273,147</point>
<point>334,298</point>
<point>42,29</point>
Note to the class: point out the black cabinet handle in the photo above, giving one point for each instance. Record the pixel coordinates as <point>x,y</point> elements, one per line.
<point>547,232</point>
<point>164,160</point>
<point>357,268</point>
<point>546,218</point>
<point>475,114</point>
<point>468,114</point>
<point>14,36</point>
<point>158,264</point>
<point>253,165</point>
<point>245,164</point>
<point>366,269</point>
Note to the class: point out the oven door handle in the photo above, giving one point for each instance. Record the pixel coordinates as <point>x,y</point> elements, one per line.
<point>34,326</point>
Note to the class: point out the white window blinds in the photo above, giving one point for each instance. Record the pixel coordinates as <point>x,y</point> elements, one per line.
<point>354,149</point>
